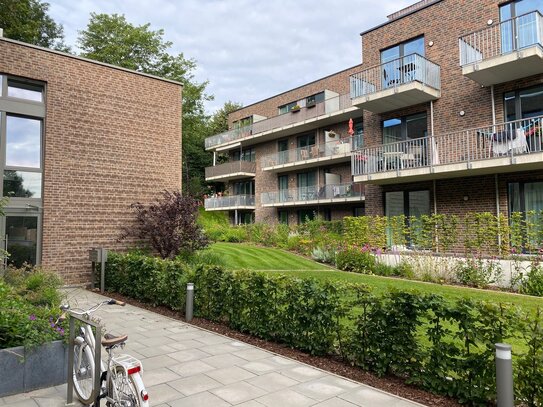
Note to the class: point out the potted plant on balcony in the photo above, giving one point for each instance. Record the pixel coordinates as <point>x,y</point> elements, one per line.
<point>295,108</point>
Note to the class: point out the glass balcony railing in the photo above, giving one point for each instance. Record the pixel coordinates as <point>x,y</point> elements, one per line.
<point>395,73</point>
<point>313,194</point>
<point>330,105</point>
<point>341,147</point>
<point>230,168</point>
<point>501,39</point>
<point>227,202</point>
<point>509,139</point>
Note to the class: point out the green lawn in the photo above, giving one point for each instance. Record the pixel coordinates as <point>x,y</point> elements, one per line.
<point>241,256</point>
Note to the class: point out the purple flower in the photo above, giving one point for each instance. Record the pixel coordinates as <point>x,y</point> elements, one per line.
<point>52,324</point>
<point>32,317</point>
<point>59,329</point>
<point>378,252</point>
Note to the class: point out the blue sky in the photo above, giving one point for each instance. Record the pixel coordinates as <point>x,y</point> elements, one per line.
<point>248,50</point>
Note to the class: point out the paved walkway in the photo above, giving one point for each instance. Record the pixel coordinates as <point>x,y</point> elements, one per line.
<point>185,366</point>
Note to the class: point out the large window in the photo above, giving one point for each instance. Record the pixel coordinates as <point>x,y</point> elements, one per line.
<point>527,198</point>
<point>25,90</point>
<point>405,128</point>
<point>305,215</point>
<point>519,29</point>
<point>525,103</point>
<point>22,239</point>
<point>407,203</point>
<point>314,99</point>
<point>244,188</point>
<point>307,185</point>
<point>358,135</point>
<point>248,154</point>
<point>282,181</point>
<point>394,71</point>
<point>287,108</point>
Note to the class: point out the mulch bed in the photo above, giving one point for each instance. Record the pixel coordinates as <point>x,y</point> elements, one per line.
<point>331,364</point>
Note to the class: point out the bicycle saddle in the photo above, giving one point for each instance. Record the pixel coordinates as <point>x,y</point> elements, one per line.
<point>111,340</point>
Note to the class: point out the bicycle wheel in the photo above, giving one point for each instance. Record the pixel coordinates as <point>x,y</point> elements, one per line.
<point>122,389</point>
<point>83,372</point>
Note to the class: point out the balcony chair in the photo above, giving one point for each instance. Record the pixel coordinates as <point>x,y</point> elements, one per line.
<point>315,152</point>
<point>304,154</point>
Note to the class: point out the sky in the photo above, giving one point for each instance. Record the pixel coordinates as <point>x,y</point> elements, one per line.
<point>248,50</point>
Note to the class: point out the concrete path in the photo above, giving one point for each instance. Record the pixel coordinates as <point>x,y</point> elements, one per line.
<point>185,366</point>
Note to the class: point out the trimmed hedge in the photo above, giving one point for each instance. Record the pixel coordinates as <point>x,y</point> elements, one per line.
<point>442,346</point>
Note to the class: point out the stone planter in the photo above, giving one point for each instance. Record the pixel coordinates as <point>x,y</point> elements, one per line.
<point>25,369</point>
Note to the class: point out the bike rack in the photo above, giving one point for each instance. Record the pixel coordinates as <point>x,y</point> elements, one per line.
<point>97,359</point>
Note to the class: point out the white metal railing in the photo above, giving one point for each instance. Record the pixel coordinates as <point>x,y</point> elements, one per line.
<point>392,74</point>
<point>330,105</point>
<point>313,193</point>
<point>340,147</point>
<point>231,167</point>
<point>233,201</point>
<point>503,38</point>
<point>508,139</point>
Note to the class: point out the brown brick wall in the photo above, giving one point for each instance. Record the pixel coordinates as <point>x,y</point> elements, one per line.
<point>111,138</point>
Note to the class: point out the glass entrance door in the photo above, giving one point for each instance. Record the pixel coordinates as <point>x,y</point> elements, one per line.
<point>21,233</point>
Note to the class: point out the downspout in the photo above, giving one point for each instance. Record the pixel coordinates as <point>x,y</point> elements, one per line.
<point>497,191</point>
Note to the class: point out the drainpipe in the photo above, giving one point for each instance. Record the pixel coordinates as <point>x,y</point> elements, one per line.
<point>493,105</point>
<point>214,158</point>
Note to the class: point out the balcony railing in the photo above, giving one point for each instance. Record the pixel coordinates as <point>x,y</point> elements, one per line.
<point>233,201</point>
<point>395,73</point>
<point>510,139</point>
<point>330,105</point>
<point>229,168</point>
<point>503,38</point>
<point>313,194</point>
<point>341,147</point>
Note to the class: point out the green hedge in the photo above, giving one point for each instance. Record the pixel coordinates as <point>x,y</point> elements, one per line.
<point>445,347</point>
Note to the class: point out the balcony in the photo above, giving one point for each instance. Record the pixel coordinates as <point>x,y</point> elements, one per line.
<point>231,171</point>
<point>226,203</point>
<point>332,110</point>
<point>504,52</point>
<point>313,195</point>
<point>305,157</point>
<point>506,147</point>
<point>400,83</point>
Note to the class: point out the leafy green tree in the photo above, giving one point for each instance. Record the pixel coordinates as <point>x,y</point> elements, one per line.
<point>112,39</point>
<point>28,21</point>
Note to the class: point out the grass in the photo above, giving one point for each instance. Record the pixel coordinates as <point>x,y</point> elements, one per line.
<point>237,256</point>
<point>241,256</point>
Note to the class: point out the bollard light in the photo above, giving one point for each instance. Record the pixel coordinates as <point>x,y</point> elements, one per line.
<point>189,306</point>
<point>505,395</point>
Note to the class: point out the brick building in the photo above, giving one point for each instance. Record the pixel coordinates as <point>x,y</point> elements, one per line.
<point>81,141</point>
<point>447,107</point>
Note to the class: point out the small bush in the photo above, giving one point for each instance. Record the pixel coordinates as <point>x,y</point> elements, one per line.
<point>531,282</point>
<point>356,260</point>
<point>323,255</point>
<point>478,272</point>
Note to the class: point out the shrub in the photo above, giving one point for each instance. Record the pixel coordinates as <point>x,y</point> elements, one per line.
<point>478,272</point>
<point>356,260</point>
<point>531,282</point>
<point>323,255</point>
<point>168,225</point>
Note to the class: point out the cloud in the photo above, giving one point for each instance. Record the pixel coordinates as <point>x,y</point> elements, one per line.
<point>248,49</point>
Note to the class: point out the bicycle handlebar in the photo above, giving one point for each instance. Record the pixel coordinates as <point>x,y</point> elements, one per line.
<point>80,311</point>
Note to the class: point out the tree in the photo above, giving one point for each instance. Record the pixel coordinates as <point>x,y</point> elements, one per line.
<point>28,21</point>
<point>112,39</point>
<point>168,224</point>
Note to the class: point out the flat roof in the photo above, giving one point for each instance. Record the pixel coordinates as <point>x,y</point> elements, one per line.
<point>401,16</point>
<point>92,61</point>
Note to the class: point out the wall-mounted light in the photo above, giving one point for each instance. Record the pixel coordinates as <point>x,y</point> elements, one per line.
<point>466,198</point>
<point>431,44</point>
<point>462,113</point>
<point>490,22</point>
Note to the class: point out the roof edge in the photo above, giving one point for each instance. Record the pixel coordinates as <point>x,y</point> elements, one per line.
<point>92,61</point>
<point>296,88</point>
<point>400,17</point>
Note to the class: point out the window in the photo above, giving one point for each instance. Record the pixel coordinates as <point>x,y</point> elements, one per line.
<point>283,217</point>
<point>282,149</point>
<point>399,61</point>
<point>523,104</point>
<point>282,181</point>
<point>407,203</point>
<point>518,28</point>
<point>527,198</point>
<point>22,184</point>
<point>405,128</point>
<point>248,154</point>
<point>22,239</point>
<point>314,99</point>
<point>287,108</point>
<point>246,121</point>
<point>305,215</point>
<point>25,90</point>
<point>359,211</point>
<point>304,144</point>
<point>23,142</point>
<point>327,214</point>
<point>244,188</point>
<point>307,189</point>
<point>358,135</point>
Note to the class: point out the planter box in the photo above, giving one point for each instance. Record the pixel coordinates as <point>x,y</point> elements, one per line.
<point>25,369</point>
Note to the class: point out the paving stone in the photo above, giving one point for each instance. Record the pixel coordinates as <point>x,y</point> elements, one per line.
<point>162,393</point>
<point>194,384</point>
<point>23,403</point>
<point>188,354</point>
<point>367,396</point>
<point>219,348</point>
<point>236,393</point>
<point>191,368</point>
<point>229,375</point>
<point>259,366</point>
<point>211,339</point>
<point>335,402</point>
<point>281,361</point>
<point>319,389</point>
<point>286,398</point>
<point>252,354</point>
<point>158,341</point>
<point>184,336</point>
<point>272,381</point>
<point>186,344</point>
<point>302,373</point>
<point>159,376</point>
<point>224,360</point>
<point>156,351</point>
<point>204,399</point>
<point>157,362</point>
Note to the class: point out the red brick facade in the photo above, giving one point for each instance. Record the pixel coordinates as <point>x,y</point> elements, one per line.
<point>111,137</point>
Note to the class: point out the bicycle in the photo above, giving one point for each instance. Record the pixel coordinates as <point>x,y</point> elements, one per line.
<point>121,383</point>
